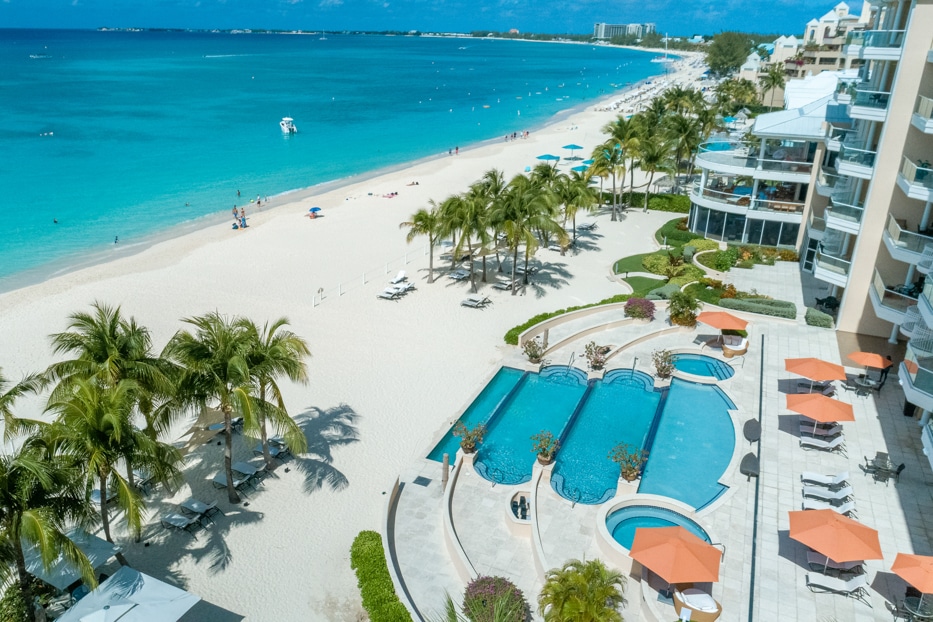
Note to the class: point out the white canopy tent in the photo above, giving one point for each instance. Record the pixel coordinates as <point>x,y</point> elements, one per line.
<point>62,573</point>
<point>131,596</point>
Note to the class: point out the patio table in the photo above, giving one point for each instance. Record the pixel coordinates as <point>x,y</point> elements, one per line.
<point>919,608</point>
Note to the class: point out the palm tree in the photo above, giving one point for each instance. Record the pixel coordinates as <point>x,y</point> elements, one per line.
<point>574,193</point>
<point>771,81</point>
<point>466,215</point>
<point>424,222</point>
<point>582,591</point>
<point>608,158</point>
<point>9,393</point>
<point>681,100</point>
<point>625,133</point>
<point>684,133</point>
<point>276,352</point>
<point>655,158</point>
<point>215,364</point>
<point>491,187</point>
<point>38,497</point>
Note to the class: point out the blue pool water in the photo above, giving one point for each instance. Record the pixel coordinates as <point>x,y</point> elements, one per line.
<point>542,402</point>
<point>693,445</point>
<point>617,410</point>
<point>623,522</point>
<point>480,410</point>
<point>702,365</point>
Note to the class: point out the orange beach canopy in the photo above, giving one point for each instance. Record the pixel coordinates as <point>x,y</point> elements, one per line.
<point>870,359</point>
<point>916,570</point>
<point>722,320</point>
<point>815,369</point>
<point>820,408</point>
<point>676,555</point>
<point>836,536</point>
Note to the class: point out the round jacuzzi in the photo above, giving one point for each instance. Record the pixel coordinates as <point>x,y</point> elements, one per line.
<point>623,522</point>
<point>702,365</point>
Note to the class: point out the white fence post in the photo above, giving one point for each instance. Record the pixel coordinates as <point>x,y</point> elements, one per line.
<point>340,289</point>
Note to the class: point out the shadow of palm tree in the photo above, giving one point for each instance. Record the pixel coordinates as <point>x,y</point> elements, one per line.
<point>325,430</point>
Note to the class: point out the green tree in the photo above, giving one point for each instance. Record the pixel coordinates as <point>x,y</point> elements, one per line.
<point>276,352</point>
<point>491,187</point>
<point>582,591</point>
<point>215,367</point>
<point>684,133</point>
<point>626,133</point>
<point>727,51</point>
<point>772,81</point>
<point>655,158</point>
<point>682,308</point>
<point>465,215</point>
<point>574,193</point>
<point>9,393</point>
<point>424,222</point>
<point>608,159</point>
<point>38,497</point>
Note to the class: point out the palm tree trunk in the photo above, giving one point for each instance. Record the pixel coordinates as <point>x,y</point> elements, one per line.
<point>525,279</point>
<point>472,276</point>
<point>232,495</point>
<point>24,579</point>
<point>263,436</point>
<point>105,513</point>
<point>648,188</point>
<point>631,187</point>
<point>614,197</point>
<point>484,268</point>
<point>514,265</point>
<point>430,259</point>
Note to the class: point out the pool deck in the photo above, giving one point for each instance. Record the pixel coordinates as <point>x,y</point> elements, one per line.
<point>902,512</point>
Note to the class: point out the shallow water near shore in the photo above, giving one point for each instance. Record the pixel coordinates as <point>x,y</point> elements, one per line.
<point>128,135</point>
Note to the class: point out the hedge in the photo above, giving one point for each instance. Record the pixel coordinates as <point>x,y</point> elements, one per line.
<point>511,337</point>
<point>665,292</point>
<point>815,317</point>
<point>763,306</point>
<point>368,559</point>
<point>674,234</point>
<point>704,244</point>
<point>677,203</point>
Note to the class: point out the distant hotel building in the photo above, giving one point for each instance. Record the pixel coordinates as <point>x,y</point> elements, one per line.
<point>608,31</point>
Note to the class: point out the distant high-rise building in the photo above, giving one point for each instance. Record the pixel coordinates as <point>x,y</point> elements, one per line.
<point>608,31</point>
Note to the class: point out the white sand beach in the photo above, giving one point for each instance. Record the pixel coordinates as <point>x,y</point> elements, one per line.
<point>401,370</point>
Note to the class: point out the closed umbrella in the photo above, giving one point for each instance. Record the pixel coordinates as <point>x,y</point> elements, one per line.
<point>820,408</point>
<point>815,370</point>
<point>834,535</point>
<point>676,555</point>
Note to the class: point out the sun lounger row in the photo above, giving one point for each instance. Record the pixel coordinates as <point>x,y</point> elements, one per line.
<point>192,516</point>
<point>805,386</point>
<point>847,508</point>
<point>826,481</point>
<point>394,292</point>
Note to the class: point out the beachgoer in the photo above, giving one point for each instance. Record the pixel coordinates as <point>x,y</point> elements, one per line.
<point>457,150</point>
<point>116,239</point>
<point>55,221</point>
<point>242,212</point>
<point>238,193</point>
<point>234,212</point>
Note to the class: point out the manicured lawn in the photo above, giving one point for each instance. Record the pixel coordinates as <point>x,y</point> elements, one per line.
<point>632,263</point>
<point>641,285</point>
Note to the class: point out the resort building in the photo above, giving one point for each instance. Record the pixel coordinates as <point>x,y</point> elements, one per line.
<point>823,43</point>
<point>608,31</point>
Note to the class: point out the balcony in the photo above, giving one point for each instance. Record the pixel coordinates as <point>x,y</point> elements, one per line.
<point>827,181</point>
<point>835,135</point>
<point>891,303</point>
<point>831,269</point>
<point>738,158</point>
<point>844,215</point>
<point>739,200</point>
<point>815,227</point>
<point>903,244</point>
<point>925,302</point>
<point>856,161</point>
<point>923,118</point>
<point>869,105</point>
<point>875,44</point>
<point>916,374</point>
<point>916,179</point>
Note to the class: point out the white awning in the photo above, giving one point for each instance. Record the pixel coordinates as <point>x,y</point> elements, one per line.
<point>62,572</point>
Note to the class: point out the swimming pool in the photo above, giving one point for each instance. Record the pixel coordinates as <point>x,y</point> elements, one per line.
<point>702,365</point>
<point>623,522</point>
<point>693,445</point>
<point>619,409</point>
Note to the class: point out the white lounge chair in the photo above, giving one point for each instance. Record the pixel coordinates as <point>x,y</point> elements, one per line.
<point>814,430</point>
<point>389,294</point>
<point>459,275</point>
<point>181,523</point>
<point>399,278</point>
<point>847,508</point>
<point>837,443</point>
<point>854,587</point>
<point>826,494</point>
<point>819,562</point>
<point>826,481</point>
<point>199,509</point>
<point>587,226</point>
<point>828,389</point>
<point>250,471</point>
<point>476,302</point>
<point>402,288</point>
<point>278,451</point>
<point>506,285</point>
<point>220,481</point>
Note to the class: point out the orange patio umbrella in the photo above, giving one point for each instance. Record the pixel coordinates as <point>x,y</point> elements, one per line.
<point>815,369</point>
<point>820,408</point>
<point>834,535</point>
<point>676,555</point>
<point>916,570</point>
<point>722,320</point>
<point>870,359</point>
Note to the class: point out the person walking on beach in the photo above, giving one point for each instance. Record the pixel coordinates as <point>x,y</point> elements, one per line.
<point>457,150</point>
<point>234,212</point>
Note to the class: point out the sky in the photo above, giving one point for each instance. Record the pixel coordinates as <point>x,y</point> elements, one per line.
<point>547,16</point>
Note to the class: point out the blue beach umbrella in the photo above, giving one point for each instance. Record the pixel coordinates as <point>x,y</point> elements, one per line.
<point>579,169</point>
<point>548,157</point>
<point>315,209</point>
<point>572,148</point>
<point>587,162</point>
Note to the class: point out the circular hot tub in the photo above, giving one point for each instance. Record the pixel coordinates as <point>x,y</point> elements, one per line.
<point>623,522</point>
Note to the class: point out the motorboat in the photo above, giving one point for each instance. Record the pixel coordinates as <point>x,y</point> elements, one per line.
<point>288,125</point>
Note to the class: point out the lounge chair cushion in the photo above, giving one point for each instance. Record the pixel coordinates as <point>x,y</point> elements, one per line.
<point>699,600</point>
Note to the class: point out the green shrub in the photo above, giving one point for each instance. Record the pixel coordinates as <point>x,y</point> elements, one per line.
<point>12,606</point>
<point>663,293</point>
<point>746,264</point>
<point>815,317</point>
<point>689,251</point>
<point>675,232</point>
<point>724,260</point>
<point>678,203</point>
<point>511,337</point>
<point>683,309</point>
<point>489,599</point>
<point>641,285</point>
<point>368,559</point>
<point>683,279</point>
<point>703,244</point>
<point>656,264</point>
<point>776,308</point>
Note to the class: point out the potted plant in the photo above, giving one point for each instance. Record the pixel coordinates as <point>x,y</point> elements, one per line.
<point>663,363</point>
<point>595,355</point>
<point>630,459</point>
<point>533,350</point>
<point>469,437</point>
<point>545,445</point>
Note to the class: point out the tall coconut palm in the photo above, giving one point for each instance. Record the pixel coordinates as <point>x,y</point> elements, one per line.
<point>9,393</point>
<point>215,368</point>
<point>424,222</point>
<point>574,193</point>
<point>466,215</point>
<point>39,496</point>
<point>684,133</point>
<point>276,352</point>
<point>625,133</point>
<point>491,187</point>
<point>773,80</point>
<point>608,159</point>
<point>655,158</point>
<point>582,591</point>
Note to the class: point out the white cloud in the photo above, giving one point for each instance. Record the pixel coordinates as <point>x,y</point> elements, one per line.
<point>327,4</point>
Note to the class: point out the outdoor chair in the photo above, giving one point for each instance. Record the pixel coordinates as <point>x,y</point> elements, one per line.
<point>402,288</point>
<point>252,472</point>
<point>476,302</point>
<point>752,430</point>
<point>199,509</point>
<point>399,278</point>
<point>702,606</point>
<point>847,508</point>
<point>587,226</point>
<point>506,285</point>
<point>389,294</point>
<point>898,610</point>
<point>818,562</point>
<point>459,275</point>
<point>220,481</point>
<point>827,481</point>
<point>825,494</point>
<point>809,429</point>
<point>276,451</point>
<point>838,443</point>
<point>181,523</point>
<point>853,587</point>
<point>883,475</point>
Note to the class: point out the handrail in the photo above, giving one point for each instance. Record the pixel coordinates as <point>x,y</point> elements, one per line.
<point>857,155</point>
<point>889,297</point>
<point>920,172</point>
<point>876,38</point>
<point>925,107</point>
<point>905,239</point>
<point>871,99</point>
<point>833,264</point>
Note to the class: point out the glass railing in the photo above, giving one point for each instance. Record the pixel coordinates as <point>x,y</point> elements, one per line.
<point>920,173</point>
<point>785,164</point>
<point>741,196</point>
<point>928,292</point>
<point>871,99</point>
<point>925,107</point>
<point>894,298</point>
<point>919,368</point>
<point>832,264</point>
<point>907,240</point>
<point>829,180</point>
<point>729,153</point>
<point>845,211</point>
<point>857,155</point>
<point>815,223</point>
<point>876,38</point>
<point>836,133</point>
<point>777,205</point>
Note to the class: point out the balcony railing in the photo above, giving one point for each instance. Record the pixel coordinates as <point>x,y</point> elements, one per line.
<point>920,173</point>
<point>895,298</point>
<point>876,38</point>
<point>830,180</point>
<point>839,134</point>
<point>832,264</point>
<point>745,155</point>
<point>919,368</point>
<point>815,223</point>
<point>741,196</point>
<point>845,211</point>
<point>857,155</point>
<point>905,239</point>
<point>925,107</point>
<point>871,99</point>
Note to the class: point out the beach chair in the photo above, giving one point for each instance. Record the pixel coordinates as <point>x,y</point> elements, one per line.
<point>847,508</point>
<point>399,278</point>
<point>825,494</point>
<point>826,481</point>
<point>506,285</point>
<point>389,294</point>
<point>254,473</point>
<point>587,226</point>
<point>532,270</point>
<point>181,523</point>
<point>476,302</point>
<point>819,563</point>
<point>276,450</point>
<point>459,275</point>
<point>853,587</point>
<point>240,484</point>
<point>809,429</point>
<point>402,288</point>
<point>199,509</point>
<point>837,443</point>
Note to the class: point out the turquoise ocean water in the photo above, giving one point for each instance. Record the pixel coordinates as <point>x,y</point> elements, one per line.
<point>130,134</point>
